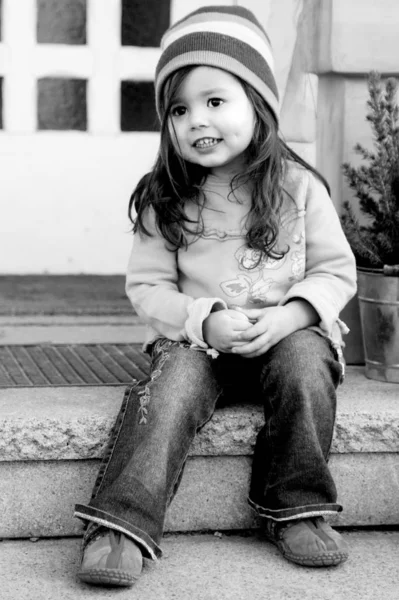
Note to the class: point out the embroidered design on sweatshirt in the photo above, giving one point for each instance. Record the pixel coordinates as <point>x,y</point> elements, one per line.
<point>298,265</point>
<point>298,258</point>
<point>255,283</point>
<point>221,235</point>
<point>289,221</point>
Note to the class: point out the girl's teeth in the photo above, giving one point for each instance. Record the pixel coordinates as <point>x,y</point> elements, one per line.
<point>206,142</point>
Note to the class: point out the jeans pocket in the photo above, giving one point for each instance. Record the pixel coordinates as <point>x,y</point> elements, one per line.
<point>162,345</point>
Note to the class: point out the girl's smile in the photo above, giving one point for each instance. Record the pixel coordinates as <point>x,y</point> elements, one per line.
<point>212,120</point>
<point>204,143</point>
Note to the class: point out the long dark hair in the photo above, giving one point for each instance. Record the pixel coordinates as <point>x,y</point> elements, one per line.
<point>173,180</point>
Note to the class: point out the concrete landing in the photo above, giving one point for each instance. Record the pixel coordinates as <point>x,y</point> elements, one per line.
<point>205,567</point>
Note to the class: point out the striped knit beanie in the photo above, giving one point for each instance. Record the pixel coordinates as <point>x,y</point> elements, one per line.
<point>226,37</point>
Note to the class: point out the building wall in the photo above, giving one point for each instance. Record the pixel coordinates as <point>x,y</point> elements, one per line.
<point>78,121</point>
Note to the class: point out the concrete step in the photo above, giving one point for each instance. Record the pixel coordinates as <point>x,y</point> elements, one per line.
<point>71,329</point>
<point>53,437</point>
<point>205,567</point>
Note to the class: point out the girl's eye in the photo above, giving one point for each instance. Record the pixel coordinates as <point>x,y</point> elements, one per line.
<point>215,102</point>
<point>178,111</point>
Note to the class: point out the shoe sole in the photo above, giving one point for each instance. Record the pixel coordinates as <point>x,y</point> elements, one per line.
<point>330,559</point>
<point>112,577</point>
<point>325,559</point>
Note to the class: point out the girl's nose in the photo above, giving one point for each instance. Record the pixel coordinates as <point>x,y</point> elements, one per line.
<point>198,119</point>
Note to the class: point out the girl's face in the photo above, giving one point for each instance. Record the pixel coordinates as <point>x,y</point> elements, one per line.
<point>211,121</point>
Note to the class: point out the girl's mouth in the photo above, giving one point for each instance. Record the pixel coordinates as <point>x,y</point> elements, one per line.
<point>206,142</point>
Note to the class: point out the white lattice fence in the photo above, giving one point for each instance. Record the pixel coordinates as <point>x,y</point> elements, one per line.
<point>102,62</point>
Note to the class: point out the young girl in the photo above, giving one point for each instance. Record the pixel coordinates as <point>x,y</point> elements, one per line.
<point>240,269</point>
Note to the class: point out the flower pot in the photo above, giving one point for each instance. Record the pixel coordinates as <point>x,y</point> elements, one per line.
<point>379,315</point>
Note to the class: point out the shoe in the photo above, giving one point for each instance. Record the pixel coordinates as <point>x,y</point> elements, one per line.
<point>308,542</point>
<point>111,558</point>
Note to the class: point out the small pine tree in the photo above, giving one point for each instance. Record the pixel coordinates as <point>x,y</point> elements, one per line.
<point>376,183</point>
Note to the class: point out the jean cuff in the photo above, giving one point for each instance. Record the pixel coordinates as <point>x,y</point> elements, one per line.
<point>299,512</point>
<point>147,545</point>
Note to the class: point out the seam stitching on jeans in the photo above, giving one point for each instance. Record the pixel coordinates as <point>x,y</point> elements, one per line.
<point>111,447</point>
<point>121,529</point>
<point>307,515</point>
<point>173,491</point>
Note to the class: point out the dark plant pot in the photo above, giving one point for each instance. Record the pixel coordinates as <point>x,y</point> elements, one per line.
<point>379,315</point>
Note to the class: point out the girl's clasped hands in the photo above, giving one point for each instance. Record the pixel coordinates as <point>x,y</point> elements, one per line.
<point>251,332</point>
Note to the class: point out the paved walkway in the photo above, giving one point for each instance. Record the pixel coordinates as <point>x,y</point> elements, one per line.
<point>205,567</point>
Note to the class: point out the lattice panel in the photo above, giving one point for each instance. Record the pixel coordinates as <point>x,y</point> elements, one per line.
<point>26,56</point>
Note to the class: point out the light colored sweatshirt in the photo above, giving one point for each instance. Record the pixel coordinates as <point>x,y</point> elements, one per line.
<point>174,291</point>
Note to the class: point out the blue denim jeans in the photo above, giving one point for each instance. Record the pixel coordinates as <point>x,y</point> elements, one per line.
<point>159,417</point>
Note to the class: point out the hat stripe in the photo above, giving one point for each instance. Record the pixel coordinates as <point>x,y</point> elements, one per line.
<point>240,32</point>
<point>222,61</point>
<point>228,46</point>
<point>205,18</point>
<point>224,11</point>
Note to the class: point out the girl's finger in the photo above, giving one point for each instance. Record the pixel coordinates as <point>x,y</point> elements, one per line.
<point>251,313</point>
<point>256,331</point>
<point>241,325</point>
<point>247,336</point>
<point>236,342</point>
<point>257,347</point>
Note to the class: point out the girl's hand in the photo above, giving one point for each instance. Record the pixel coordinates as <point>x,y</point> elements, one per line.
<point>222,328</point>
<point>272,325</point>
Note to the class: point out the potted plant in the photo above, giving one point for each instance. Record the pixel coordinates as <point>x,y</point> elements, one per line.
<point>372,229</point>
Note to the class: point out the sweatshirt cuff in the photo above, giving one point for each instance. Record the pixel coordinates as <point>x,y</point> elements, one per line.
<point>328,316</point>
<point>197,313</point>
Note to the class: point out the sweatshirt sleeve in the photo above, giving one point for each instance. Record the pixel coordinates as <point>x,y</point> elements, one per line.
<point>330,271</point>
<point>152,287</point>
